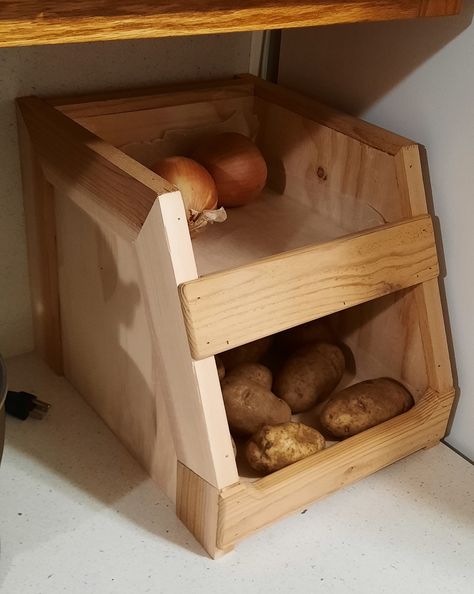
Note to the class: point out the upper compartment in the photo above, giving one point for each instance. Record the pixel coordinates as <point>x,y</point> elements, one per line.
<point>342,220</point>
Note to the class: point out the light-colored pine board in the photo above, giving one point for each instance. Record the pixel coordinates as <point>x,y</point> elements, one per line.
<point>341,177</point>
<point>230,308</point>
<point>38,200</point>
<point>245,508</point>
<point>191,389</point>
<point>128,100</point>
<point>273,224</point>
<point>108,352</point>
<point>90,170</point>
<point>176,127</point>
<point>385,338</point>
<point>30,22</point>
<point>410,181</point>
<point>433,334</point>
<point>196,507</point>
<point>325,115</point>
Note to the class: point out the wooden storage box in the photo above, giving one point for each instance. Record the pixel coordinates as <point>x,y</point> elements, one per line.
<point>132,311</point>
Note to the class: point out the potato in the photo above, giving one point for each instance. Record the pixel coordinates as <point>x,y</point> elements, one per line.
<point>309,375</point>
<point>272,448</point>
<point>364,405</point>
<point>253,371</point>
<point>249,406</point>
<point>251,352</point>
<point>309,333</point>
<point>220,368</point>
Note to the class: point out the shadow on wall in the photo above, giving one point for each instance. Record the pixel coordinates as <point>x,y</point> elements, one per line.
<point>352,66</point>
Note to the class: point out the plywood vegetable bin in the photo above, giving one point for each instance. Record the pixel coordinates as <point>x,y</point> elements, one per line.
<point>133,311</point>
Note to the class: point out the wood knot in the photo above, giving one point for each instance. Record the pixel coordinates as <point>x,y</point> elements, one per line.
<point>321,173</point>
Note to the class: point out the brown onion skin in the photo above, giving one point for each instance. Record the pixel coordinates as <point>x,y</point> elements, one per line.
<point>195,183</point>
<point>237,166</point>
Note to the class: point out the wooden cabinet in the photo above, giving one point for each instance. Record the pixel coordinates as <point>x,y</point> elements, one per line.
<point>32,22</point>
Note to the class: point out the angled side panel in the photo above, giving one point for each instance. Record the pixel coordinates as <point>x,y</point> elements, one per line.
<point>107,348</point>
<point>192,392</point>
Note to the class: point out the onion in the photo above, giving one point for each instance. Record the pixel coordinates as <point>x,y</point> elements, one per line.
<point>196,185</point>
<point>236,164</point>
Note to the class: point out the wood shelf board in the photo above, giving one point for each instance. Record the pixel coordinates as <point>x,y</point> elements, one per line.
<point>273,224</point>
<point>274,285</point>
<point>31,22</point>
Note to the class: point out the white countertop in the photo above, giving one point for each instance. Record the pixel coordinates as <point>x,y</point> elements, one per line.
<point>79,515</point>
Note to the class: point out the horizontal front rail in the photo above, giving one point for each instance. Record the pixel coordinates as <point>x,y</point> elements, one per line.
<point>227,309</point>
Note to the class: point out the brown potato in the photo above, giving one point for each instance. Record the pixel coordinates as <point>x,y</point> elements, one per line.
<point>364,405</point>
<point>309,375</point>
<point>251,352</point>
<point>220,368</point>
<point>252,371</point>
<point>249,406</point>
<point>309,333</point>
<point>274,447</point>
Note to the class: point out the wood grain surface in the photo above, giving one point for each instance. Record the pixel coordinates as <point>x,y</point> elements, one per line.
<point>190,388</point>
<point>127,100</point>
<point>197,507</point>
<point>385,337</point>
<point>311,109</point>
<point>33,22</point>
<point>107,347</point>
<point>89,170</point>
<point>230,308</point>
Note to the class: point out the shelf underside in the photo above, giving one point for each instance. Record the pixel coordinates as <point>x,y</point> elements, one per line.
<point>31,22</point>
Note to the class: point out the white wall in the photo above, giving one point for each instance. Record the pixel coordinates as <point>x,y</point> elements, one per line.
<point>415,78</point>
<point>71,69</point>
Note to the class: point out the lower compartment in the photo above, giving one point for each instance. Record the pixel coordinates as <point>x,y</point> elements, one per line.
<point>382,338</point>
<point>386,337</point>
<point>246,507</point>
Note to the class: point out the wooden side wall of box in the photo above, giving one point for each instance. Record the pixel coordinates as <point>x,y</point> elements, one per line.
<point>123,198</point>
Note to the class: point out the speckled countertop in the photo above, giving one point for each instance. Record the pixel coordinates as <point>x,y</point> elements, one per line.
<point>79,515</point>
